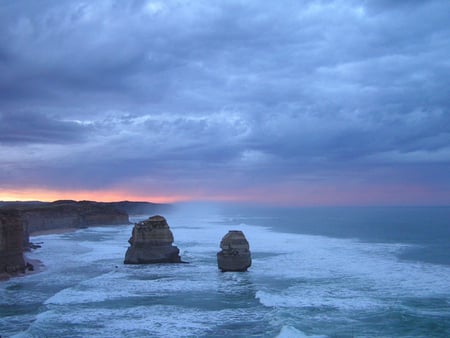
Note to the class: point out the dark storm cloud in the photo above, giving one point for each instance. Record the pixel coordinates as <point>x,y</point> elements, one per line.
<point>194,90</point>
<point>25,128</point>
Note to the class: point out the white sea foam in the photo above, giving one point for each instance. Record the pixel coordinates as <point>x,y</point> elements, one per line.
<point>141,321</point>
<point>290,275</point>
<point>371,267</point>
<point>291,332</point>
<point>120,285</point>
<point>374,265</point>
<point>317,298</point>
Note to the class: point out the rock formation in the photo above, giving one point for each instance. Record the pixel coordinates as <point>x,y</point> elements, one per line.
<point>11,243</point>
<point>151,242</point>
<point>235,254</point>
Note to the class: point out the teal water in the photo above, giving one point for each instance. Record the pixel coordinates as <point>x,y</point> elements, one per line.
<point>316,272</point>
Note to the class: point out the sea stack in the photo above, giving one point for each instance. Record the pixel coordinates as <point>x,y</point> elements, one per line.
<point>235,254</point>
<point>151,242</point>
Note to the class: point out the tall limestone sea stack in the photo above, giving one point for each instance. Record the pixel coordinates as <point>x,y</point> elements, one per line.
<point>235,254</point>
<point>151,242</point>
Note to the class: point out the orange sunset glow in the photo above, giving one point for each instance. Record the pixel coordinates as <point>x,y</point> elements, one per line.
<point>46,195</point>
<point>271,194</point>
<point>103,195</point>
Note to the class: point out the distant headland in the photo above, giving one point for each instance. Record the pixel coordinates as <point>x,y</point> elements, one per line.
<point>19,220</point>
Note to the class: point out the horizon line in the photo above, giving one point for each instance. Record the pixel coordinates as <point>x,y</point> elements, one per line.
<point>239,202</point>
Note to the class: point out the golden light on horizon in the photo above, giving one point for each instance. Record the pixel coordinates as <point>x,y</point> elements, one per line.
<point>281,195</point>
<point>45,195</point>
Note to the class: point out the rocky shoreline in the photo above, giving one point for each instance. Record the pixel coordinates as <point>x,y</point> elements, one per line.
<point>151,241</point>
<point>19,220</point>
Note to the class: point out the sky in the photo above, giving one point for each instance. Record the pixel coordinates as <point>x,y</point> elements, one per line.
<point>277,102</point>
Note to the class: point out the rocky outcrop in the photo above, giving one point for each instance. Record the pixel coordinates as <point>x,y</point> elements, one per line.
<point>151,242</point>
<point>11,243</point>
<point>235,254</point>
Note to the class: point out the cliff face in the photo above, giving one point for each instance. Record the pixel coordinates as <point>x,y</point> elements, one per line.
<point>38,216</point>
<point>11,242</point>
<point>70,214</point>
<point>151,242</point>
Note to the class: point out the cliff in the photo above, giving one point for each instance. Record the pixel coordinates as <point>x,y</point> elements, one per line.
<point>11,242</point>
<point>69,214</point>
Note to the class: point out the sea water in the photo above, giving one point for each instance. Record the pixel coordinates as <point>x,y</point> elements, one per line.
<point>316,272</point>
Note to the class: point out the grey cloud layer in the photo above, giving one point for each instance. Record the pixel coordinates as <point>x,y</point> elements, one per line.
<point>25,128</point>
<point>200,89</point>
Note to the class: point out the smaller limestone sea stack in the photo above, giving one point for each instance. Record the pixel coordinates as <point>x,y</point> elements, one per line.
<point>235,254</point>
<point>151,242</point>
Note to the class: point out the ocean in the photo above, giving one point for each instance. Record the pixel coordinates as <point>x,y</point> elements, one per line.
<point>316,272</point>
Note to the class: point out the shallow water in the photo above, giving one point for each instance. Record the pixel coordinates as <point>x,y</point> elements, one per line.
<point>299,285</point>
